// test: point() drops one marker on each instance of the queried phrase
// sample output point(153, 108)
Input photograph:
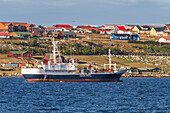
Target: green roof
point(18, 52)
point(23, 33)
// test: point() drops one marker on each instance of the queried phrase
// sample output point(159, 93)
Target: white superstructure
point(51, 68)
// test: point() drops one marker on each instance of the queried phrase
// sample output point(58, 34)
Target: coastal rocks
point(150, 60)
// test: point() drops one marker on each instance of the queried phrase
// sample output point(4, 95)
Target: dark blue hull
point(102, 77)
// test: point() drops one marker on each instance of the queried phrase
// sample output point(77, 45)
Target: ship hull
point(100, 77)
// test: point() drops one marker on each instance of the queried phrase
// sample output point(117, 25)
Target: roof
point(62, 25)
point(169, 27)
point(14, 23)
point(167, 38)
point(146, 27)
point(138, 27)
point(122, 28)
point(18, 52)
point(22, 33)
point(68, 33)
point(159, 28)
point(4, 34)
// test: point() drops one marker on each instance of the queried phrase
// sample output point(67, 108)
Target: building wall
point(4, 36)
point(3, 28)
point(136, 29)
point(10, 54)
point(153, 31)
point(27, 54)
point(164, 40)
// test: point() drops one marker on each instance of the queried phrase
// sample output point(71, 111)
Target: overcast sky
point(76, 12)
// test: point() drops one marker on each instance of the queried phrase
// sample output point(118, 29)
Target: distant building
point(19, 54)
point(4, 35)
point(66, 26)
point(158, 30)
point(66, 34)
point(16, 27)
point(145, 29)
point(120, 29)
point(137, 28)
point(124, 37)
point(48, 57)
point(164, 40)
point(20, 34)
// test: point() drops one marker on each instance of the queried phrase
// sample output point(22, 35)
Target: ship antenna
point(110, 60)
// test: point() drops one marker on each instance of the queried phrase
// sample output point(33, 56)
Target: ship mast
point(54, 51)
point(110, 60)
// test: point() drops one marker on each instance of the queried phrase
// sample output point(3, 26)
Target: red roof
point(4, 34)
point(122, 28)
point(167, 38)
point(169, 27)
point(62, 25)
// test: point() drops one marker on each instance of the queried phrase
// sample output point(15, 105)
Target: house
point(20, 34)
point(137, 28)
point(107, 27)
point(4, 35)
point(66, 34)
point(124, 37)
point(164, 40)
point(167, 25)
point(16, 27)
point(169, 28)
point(158, 30)
point(145, 29)
point(19, 54)
point(66, 26)
point(83, 27)
point(120, 29)
point(128, 28)
point(49, 57)
point(104, 31)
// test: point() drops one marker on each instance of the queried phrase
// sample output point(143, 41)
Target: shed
point(124, 37)
point(19, 54)
point(23, 34)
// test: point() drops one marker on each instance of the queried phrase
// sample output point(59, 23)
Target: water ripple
point(133, 95)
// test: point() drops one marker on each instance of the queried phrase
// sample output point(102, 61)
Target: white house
point(4, 35)
point(164, 40)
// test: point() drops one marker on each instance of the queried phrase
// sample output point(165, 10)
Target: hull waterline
point(102, 77)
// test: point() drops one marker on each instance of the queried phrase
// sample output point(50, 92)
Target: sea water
point(144, 95)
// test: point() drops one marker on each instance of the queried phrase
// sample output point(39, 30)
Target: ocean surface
point(133, 95)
